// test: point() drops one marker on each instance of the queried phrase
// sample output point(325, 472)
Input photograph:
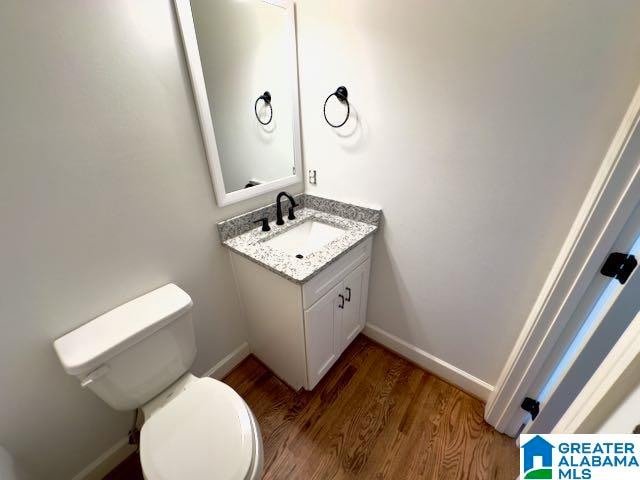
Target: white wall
point(481, 126)
point(625, 416)
point(9, 470)
point(104, 195)
point(244, 47)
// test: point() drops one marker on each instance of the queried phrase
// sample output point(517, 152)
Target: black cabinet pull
point(342, 299)
point(349, 292)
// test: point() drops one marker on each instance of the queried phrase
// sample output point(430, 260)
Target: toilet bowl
point(206, 430)
point(138, 355)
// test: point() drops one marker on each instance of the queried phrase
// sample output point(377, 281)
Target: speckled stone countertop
point(358, 224)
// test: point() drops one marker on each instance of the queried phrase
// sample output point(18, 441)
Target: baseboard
point(106, 462)
point(228, 363)
point(461, 379)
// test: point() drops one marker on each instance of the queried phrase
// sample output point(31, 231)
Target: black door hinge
point(532, 406)
point(619, 266)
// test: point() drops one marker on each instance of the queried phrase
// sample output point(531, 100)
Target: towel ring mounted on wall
point(266, 98)
point(341, 94)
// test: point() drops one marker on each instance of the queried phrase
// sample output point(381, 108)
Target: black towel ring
point(341, 94)
point(266, 98)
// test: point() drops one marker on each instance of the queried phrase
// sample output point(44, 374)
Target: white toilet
point(139, 355)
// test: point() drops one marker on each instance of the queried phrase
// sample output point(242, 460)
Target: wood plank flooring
point(373, 416)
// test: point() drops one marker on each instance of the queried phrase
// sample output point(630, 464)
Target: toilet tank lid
point(89, 346)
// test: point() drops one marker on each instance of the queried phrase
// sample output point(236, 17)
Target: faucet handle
point(265, 224)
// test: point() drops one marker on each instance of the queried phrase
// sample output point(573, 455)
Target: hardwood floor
point(373, 416)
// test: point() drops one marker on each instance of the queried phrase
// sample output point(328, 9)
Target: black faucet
point(292, 203)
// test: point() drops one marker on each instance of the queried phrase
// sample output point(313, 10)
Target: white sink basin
point(305, 238)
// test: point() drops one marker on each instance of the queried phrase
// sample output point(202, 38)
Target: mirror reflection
point(244, 51)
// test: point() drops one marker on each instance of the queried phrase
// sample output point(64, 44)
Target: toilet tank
point(132, 353)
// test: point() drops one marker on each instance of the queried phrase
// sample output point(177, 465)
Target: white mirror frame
point(189, 40)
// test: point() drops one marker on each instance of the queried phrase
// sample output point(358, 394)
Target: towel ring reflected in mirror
point(266, 98)
point(341, 94)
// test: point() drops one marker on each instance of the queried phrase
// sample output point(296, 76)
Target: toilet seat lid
point(203, 433)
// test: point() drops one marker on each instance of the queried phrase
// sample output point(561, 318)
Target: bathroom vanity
point(303, 284)
point(303, 281)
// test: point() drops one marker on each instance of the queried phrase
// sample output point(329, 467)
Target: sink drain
point(299, 255)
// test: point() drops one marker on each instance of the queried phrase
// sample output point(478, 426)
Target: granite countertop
point(358, 224)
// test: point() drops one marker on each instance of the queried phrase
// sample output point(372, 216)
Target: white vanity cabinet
point(299, 331)
point(333, 322)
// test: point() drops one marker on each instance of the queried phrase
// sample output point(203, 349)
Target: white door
point(321, 329)
point(604, 313)
point(352, 318)
point(608, 404)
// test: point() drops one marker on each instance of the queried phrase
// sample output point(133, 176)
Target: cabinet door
point(321, 330)
point(355, 292)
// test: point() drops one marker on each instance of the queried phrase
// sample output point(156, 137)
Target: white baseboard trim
point(106, 462)
point(461, 379)
point(110, 459)
point(228, 363)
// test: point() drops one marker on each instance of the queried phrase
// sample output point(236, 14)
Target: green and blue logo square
point(537, 458)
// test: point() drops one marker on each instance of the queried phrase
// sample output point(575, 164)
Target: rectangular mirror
point(243, 66)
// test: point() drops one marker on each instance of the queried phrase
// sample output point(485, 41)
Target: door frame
point(608, 205)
